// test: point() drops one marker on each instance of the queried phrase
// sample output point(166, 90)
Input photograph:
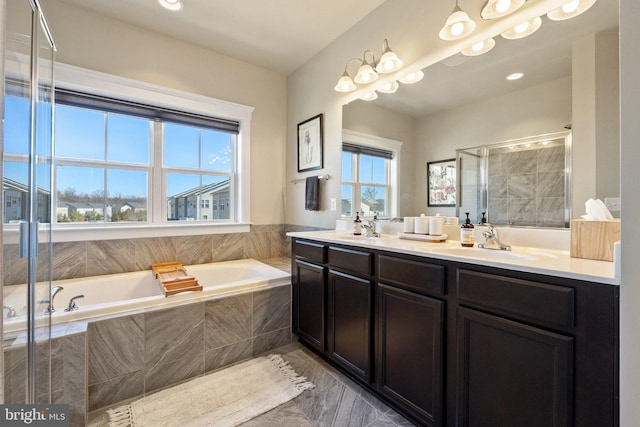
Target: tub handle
point(72, 303)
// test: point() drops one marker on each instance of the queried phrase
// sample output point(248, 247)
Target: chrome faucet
point(492, 240)
point(370, 229)
point(72, 303)
point(11, 312)
point(54, 292)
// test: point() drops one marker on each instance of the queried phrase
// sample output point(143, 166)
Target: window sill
point(81, 232)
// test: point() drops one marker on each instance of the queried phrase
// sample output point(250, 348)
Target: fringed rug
point(225, 398)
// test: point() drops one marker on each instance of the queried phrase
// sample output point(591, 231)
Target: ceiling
point(279, 35)
point(542, 57)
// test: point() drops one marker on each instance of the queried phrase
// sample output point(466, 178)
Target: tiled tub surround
point(128, 356)
point(97, 257)
point(127, 292)
point(68, 374)
point(133, 355)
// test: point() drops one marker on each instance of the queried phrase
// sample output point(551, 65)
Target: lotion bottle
point(357, 225)
point(466, 233)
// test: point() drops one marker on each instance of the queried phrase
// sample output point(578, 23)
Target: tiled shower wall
point(98, 257)
point(526, 187)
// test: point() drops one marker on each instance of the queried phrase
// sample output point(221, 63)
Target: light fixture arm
point(349, 62)
point(373, 58)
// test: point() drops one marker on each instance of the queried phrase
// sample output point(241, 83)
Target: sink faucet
point(492, 240)
point(370, 229)
point(54, 292)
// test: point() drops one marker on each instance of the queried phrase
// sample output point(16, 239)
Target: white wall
point(537, 110)
point(630, 177)
point(95, 42)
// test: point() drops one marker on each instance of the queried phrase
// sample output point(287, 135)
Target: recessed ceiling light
point(515, 76)
point(173, 5)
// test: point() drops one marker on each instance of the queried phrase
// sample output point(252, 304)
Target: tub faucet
point(72, 303)
point(492, 240)
point(54, 292)
point(11, 312)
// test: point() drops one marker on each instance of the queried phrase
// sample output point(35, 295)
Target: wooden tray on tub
point(173, 278)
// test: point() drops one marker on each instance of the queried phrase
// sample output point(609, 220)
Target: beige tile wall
point(98, 257)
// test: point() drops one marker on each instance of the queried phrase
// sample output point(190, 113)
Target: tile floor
point(336, 400)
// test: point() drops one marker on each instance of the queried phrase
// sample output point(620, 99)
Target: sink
point(489, 254)
point(362, 238)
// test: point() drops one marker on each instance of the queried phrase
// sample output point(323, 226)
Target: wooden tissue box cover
point(594, 239)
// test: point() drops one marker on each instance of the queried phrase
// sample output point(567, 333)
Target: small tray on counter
point(423, 237)
point(173, 278)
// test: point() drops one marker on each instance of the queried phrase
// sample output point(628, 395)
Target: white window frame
point(395, 147)
point(83, 80)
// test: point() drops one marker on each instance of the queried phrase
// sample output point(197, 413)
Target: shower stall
point(26, 138)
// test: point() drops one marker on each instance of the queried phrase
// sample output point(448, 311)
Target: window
point(103, 160)
point(369, 175)
point(102, 166)
point(141, 155)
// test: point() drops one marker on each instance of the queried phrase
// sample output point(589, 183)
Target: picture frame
point(310, 150)
point(441, 183)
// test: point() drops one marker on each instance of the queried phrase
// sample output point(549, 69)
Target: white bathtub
point(127, 292)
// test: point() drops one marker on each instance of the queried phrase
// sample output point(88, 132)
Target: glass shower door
point(27, 152)
point(471, 184)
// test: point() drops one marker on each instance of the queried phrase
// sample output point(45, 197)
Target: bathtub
point(116, 294)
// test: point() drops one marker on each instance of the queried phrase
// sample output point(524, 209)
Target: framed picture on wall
point(310, 144)
point(441, 183)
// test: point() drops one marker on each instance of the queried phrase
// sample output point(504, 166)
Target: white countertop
point(532, 260)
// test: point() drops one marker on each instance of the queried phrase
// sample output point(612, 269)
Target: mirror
point(517, 183)
point(570, 79)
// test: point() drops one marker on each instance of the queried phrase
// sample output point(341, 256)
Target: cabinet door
point(409, 352)
point(350, 318)
point(309, 303)
point(511, 374)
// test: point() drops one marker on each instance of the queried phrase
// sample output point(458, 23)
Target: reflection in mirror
point(522, 182)
point(570, 76)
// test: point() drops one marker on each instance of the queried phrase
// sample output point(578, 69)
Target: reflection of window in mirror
point(369, 176)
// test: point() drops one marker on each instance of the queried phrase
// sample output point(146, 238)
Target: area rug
point(224, 398)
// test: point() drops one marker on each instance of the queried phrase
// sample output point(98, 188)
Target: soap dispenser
point(483, 220)
point(357, 225)
point(466, 233)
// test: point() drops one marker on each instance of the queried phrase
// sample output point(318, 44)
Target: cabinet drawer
point(310, 251)
point(538, 303)
point(410, 275)
point(348, 259)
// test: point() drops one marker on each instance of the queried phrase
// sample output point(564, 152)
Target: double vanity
point(455, 336)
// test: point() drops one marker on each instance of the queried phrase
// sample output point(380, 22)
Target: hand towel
point(311, 194)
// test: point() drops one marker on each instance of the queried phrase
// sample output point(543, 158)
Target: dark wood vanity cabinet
point(512, 374)
point(309, 293)
point(309, 302)
point(409, 352)
point(456, 344)
point(350, 323)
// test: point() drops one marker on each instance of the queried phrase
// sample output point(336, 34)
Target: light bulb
point(571, 6)
point(388, 65)
point(521, 28)
point(503, 5)
point(478, 46)
point(457, 28)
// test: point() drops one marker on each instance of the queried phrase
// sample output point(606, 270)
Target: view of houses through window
point(110, 166)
